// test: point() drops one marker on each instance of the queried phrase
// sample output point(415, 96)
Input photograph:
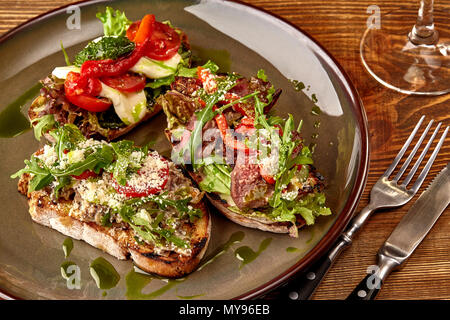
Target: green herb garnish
point(105, 48)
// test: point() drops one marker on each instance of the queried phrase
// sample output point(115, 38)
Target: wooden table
point(338, 26)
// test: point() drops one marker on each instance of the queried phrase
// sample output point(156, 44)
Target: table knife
point(408, 234)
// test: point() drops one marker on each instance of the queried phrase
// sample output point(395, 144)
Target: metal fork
point(384, 194)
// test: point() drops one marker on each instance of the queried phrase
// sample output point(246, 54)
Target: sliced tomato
point(229, 140)
point(89, 103)
point(244, 129)
point(85, 175)
point(137, 191)
point(127, 82)
point(164, 42)
point(82, 97)
point(269, 179)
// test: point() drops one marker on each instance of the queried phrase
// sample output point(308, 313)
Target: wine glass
point(410, 60)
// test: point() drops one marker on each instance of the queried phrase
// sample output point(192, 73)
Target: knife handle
point(367, 289)
point(303, 286)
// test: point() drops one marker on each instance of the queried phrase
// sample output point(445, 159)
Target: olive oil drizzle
point(12, 120)
point(247, 255)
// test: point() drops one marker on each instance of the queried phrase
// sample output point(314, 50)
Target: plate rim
point(353, 200)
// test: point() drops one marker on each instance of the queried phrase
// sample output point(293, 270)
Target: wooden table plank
point(338, 26)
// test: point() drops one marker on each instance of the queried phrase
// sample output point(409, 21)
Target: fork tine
point(403, 149)
point(422, 155)
point(413, 152)
point(430, 161)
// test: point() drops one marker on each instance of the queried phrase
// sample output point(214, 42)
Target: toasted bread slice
point(118, 240)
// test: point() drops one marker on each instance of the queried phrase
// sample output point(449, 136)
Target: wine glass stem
point(423, 31)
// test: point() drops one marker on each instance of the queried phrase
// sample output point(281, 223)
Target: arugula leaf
point(40, 181)
point(105, 48)
point(66, 57)
point(147, 229)
point(62, 182)
point(42, 175)
point(115, 23)
point(100, 158)
point(206, 114)
point(44, 124)
point(67, 138)
point(124, 162)
point(284, 210)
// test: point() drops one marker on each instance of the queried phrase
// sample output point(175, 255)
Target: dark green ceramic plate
point(239, 38)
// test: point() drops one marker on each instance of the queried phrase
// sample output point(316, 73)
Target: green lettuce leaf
point(217, 178)
point(115, 23)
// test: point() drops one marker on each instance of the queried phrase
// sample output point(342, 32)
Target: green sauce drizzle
point(298, 85)
point(104, 274)
point(234, 238)
point(247, 255)
point(315, 110)
point(64, 269)
point(136, 282)
point(67, 247)
point(291, 249)
point(12, 120)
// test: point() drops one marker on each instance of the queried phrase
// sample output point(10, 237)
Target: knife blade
point(420, 218)
point(407, 235)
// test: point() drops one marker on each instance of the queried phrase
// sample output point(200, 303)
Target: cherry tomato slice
point(89, 103)
point(85, 175)
point(126, 82)
point(269, 179)
point(132, 191)
point(164, 42)
point(81, 97)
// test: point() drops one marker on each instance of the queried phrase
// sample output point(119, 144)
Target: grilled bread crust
point(117, 240)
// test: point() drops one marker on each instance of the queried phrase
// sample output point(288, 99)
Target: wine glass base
point(394, 61)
